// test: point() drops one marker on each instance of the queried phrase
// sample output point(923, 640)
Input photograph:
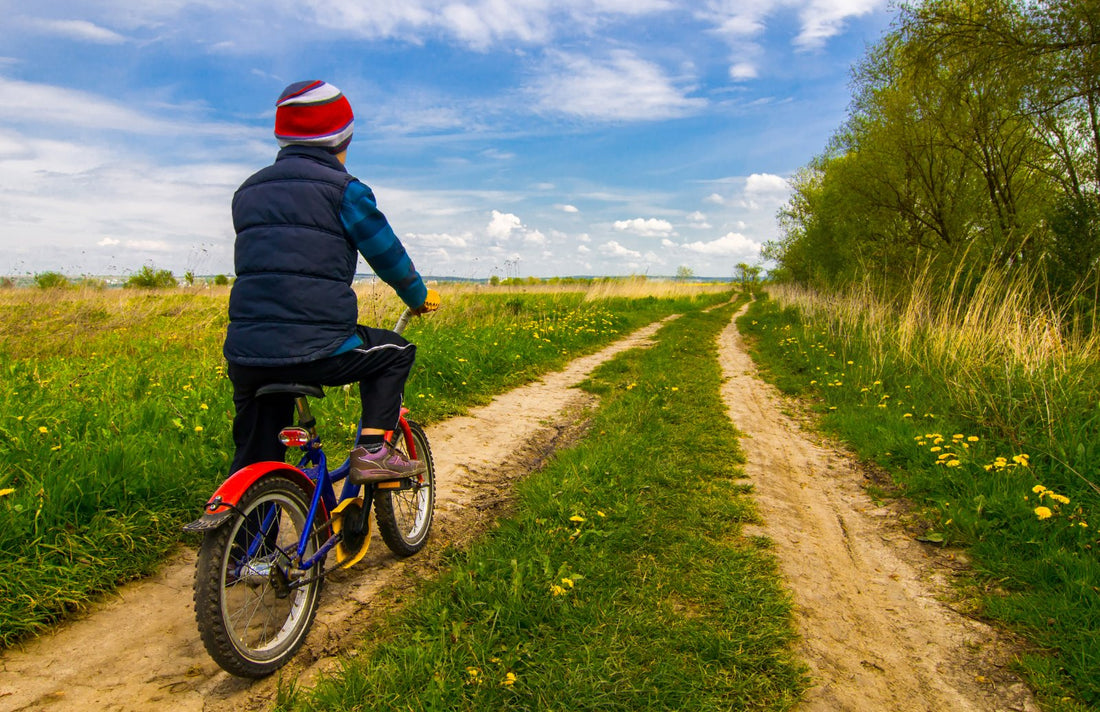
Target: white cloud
point(114, 217)
point(476, 23)
point(614, 249)
point(698, 220)
point(75, 29)
point(24, 103)
point(715, 198)
point(568, 208)
point(437, 239)
point(622, 87)
point(765, 184)
point(741, 23)
point(732, 244)
point(646, 227)
point(583, 249)
point(823, 19)
point(742, 71)
point(502, 225)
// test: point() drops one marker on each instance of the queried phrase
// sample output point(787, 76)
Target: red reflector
point(294, 437)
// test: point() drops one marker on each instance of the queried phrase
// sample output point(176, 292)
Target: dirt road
point(868, 598)
point(874, 632)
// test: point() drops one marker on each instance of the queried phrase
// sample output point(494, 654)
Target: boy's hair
point(314, 113)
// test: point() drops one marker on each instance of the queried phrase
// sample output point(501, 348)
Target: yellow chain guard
point(344, 558)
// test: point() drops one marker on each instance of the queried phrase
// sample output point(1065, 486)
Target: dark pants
point(381, 366)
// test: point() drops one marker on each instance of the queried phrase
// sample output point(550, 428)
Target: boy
point(301, 224)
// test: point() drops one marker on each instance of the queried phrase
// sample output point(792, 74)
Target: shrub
point(51, 280)
point(148, 278)
point(221, 280)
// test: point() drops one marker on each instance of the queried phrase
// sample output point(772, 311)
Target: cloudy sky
point(508, 137)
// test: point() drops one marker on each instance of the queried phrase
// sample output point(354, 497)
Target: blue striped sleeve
point(376, 241)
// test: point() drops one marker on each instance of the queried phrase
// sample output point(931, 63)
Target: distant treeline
point(973, 140)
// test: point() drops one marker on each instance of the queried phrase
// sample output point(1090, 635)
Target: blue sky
point(508, 137)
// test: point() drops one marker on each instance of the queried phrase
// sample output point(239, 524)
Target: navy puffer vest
point(292, 300)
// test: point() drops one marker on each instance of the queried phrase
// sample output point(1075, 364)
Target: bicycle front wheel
point(253, 605)
point(405, 516)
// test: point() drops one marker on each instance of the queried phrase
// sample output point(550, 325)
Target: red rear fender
point(233, 488)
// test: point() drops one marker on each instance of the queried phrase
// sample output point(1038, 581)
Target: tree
point(684, 273)
point(747, 276)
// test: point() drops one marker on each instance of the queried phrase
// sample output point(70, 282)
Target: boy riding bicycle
point(301, 224)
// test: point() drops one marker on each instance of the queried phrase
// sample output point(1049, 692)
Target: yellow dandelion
point(1037, 489)
point(1043, 512)
point(675, 388)
point(1061, 498)
point(509, 679)
point(43, 429)
point(600, 514)
point(953, 463)
point(577, 518)
point(907, 415)
point(203, 406)
point(557, 590)
point(973, 439)
point(6, 492)
point(567, 582)
point(55, 448)
point(935, 448)
point(1021, 460)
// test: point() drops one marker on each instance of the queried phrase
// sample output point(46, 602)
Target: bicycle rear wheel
point(405, 516)
point(251, 615)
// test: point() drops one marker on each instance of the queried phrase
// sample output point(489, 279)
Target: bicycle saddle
point(295, 389)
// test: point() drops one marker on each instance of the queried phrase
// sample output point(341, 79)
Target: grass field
point(115, 412)
point(985, 410)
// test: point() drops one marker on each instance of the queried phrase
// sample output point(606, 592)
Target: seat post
point(305, 417)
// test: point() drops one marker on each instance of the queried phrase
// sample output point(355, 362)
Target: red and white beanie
point(314, 113)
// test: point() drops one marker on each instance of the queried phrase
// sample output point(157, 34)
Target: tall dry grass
point(1000, 352)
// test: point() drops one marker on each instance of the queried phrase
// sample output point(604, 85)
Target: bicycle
point(268, 531)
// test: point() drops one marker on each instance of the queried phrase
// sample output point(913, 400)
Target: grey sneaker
point(386, 464)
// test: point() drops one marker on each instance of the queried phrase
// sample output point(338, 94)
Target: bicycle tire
point(405, 516)
point(246, 627)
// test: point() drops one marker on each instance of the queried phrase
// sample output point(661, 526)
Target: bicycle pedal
point(352, 546)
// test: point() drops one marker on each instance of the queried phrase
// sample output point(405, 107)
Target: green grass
point(977, 480)
point(621, 582)
point(113, 433)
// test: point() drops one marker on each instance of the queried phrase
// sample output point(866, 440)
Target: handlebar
point(431, 303)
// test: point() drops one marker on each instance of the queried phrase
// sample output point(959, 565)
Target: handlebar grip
point(403, 320)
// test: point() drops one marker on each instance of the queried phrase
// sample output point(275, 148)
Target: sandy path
point(867, 598)
point(141, 651)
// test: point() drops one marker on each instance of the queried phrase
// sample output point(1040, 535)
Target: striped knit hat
point(314, 113)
